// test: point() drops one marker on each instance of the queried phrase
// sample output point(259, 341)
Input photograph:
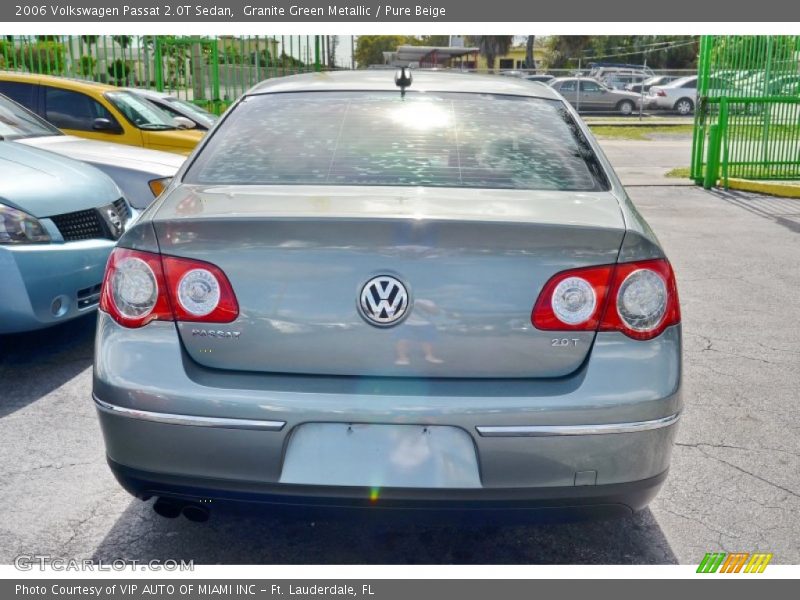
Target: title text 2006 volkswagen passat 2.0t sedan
point(393, 291)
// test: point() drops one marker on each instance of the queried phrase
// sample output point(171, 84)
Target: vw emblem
point(383, 301)
point(115, 221)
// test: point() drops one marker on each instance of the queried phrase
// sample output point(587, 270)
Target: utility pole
point(641, 88)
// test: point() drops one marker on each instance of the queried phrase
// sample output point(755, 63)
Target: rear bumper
point(515, 504)
point(658, 103)
point(173, 428)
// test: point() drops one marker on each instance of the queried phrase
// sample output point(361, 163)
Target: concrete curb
point(637, 123)
point(773, 188)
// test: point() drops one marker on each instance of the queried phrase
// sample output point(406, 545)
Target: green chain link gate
point(747, 122)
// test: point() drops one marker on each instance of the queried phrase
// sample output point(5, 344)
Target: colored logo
point(737, 562)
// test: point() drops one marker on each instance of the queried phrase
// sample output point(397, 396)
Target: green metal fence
point(747, 119)
point(211, 71)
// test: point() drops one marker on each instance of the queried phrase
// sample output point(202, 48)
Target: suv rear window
point(383, 139)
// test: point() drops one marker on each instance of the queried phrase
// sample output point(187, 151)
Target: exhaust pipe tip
point(196, 513)
point(169, 509)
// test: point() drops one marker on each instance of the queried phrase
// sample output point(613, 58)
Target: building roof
point(423, 81)
point(410, 55)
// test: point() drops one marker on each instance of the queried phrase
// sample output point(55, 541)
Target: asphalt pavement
point(735, 478)
point(646, 162)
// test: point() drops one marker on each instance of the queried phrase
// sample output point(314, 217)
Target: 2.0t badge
point(383, 301)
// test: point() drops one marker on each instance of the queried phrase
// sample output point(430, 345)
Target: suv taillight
point(139, 287)
point(640, 299)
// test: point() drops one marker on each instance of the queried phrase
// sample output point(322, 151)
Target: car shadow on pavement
point(34, 364)
point(248, 534)
point(783, 211)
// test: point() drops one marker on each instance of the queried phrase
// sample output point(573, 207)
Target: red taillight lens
point(134, 289)
point(565, 305)
point(643, 300)
point(640, 299)
point(661, 93)
point(139, 287)
point(199, 291)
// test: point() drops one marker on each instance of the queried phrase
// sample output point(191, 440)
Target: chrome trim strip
point(556, 430)
point(195, 421)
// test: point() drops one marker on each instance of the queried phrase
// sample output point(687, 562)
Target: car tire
point(684, 106)
point(626, 107)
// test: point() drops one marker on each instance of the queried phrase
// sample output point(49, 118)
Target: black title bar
point(428, 11)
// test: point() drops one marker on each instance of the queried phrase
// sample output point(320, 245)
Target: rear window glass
point(383, 139)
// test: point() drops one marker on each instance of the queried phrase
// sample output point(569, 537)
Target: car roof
point(680, 81)
point(62, 82)
point(576, 78)
point(422, 81)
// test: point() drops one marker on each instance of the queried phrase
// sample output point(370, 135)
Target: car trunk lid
point(473, 262)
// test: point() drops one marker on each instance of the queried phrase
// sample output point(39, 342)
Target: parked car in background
point(650, 82)
point(759, 84)
point(619, 81)
point(443, 299)
point(590, 95)
point(600, 72)
point(542, 78)
point(59, 220)
point(680, 95)
point(512, 73)
point(98, 111)
point(790, 89)
point(734, 76)
point(140, 173)
point(176, 107)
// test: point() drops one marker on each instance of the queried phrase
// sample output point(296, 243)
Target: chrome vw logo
point(383, 301)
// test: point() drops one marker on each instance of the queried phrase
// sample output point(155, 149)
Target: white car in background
point(681, 95)
point(182, 110)
point(140, 173)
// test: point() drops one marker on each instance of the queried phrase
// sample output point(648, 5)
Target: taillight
point(643, 300)
point(134, 289)
point(573, 300)
point(139, 287)
point(199, 291)
point(640, 299)
point(661, 93)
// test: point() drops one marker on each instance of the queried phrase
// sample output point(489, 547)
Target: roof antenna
point(402, 79)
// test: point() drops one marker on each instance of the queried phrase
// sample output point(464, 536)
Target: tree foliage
point(119, 70)
point(429, 40)
point(87, 65)
point(660, 51)
point(42, 57)
point(491, 46)
point(370, 48)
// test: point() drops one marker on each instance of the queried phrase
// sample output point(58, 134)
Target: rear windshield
point(385, 139)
